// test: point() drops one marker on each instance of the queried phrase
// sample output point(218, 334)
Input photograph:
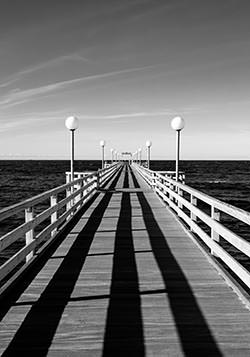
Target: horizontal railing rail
point(81, 174)
point(52, 209)
point(183, 199)
point(150, 175)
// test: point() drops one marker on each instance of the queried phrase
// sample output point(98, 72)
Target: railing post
point(97, 180)
point(171, 187)
point(153, 180)
point(193, 201)
point(70, 203)
point(53, 202)
point(68, 194)
point(67, 177)
point(92, 187)
point(180, 193)
point(183, 179)
point(78, 187)
point(215, 214)
point(84, 191)
point(29, 236)
point(162, 183)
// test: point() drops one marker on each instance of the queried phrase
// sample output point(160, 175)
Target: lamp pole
point(148, 145)
point(139, 151)
point(102, 144)
point(72, 124)
point(177, 124)
point(112, 158)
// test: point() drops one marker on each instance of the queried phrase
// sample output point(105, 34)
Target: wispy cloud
point(17, 96)
point(221, 106)
point(8, 82)
point(34, 118)
point(31, 118)
point(10, 125)
point(129, 115)
point(40, 66)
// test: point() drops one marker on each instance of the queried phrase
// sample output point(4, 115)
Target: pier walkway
point(126, 280)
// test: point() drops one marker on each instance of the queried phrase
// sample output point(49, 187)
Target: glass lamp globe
point(102, 143)
point(177, 123)
point(72, 123)
point(148, 143)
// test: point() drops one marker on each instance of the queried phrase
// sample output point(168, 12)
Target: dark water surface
point(22, 179)
point(226, 180)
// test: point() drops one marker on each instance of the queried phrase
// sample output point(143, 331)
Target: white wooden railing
point(149, 175)
point(172, 192)
point(59, 206)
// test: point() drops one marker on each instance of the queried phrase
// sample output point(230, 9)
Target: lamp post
point(102, 144)
point(177, 124)
point(112, 158)
point(139, 151)
point(72, 124)
point(148, 145)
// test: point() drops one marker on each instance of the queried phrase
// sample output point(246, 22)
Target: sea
point(228, 181)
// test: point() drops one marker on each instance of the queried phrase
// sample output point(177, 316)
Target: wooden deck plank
point(126, 280)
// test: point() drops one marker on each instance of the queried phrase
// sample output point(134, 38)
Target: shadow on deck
point(124, 331)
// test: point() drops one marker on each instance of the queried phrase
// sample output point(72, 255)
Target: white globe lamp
point(177, 123)
point(72, 123)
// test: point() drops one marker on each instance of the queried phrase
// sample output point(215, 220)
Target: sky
point(125, 69)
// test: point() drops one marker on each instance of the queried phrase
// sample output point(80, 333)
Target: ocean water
point(22, 179)
point(228, 181)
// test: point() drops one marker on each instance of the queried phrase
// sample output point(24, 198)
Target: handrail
point(30, 202)
point(65, 200)
point(231, 210)
point(178, 196)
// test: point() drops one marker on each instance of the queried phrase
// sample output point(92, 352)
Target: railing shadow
point(124, 326)
point(193, 330)
point(36, 332)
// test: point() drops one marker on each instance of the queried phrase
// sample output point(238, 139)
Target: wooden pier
point(123, 278)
